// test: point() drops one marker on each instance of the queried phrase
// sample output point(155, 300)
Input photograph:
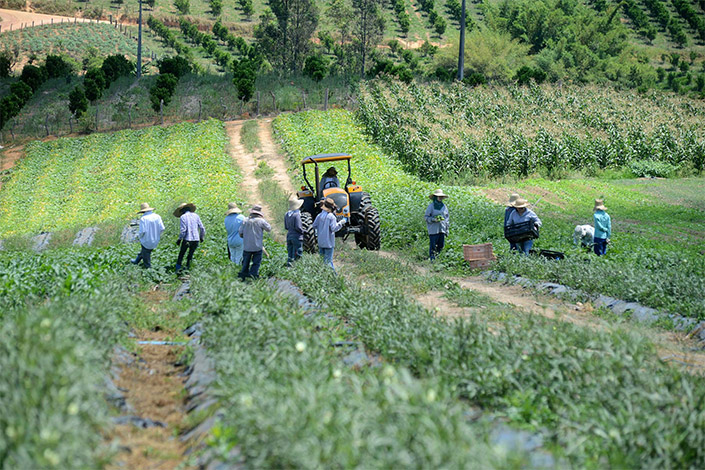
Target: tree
point(56, 66)
point(78, 103)
point(316, 67)
point(247, 8)
point(115, 66)
point(367, 30)
point(183, 6)
point(341, 13)
point(216, 7)
point(440, 26)
point(176, 66)
point(22, 91)
point(33, 76)
point(244, 76)
point(163, 90)
point(6, 63)
point(287, 40)
point(326, 39)
point(94, 83)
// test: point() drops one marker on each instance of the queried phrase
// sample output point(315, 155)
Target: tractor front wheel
point(310, 241)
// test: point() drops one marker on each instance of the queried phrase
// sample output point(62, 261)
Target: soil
point(501, 195)
point(271, 156)
point(14, 19)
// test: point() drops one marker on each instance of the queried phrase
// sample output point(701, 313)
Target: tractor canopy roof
point(326, 157)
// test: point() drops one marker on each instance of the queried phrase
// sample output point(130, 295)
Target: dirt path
point(270, 155)
point(11, 20)
point(247, 162)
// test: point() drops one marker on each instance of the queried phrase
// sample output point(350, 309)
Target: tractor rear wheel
point(310, 241)
point(372, 239)
point(365, 203)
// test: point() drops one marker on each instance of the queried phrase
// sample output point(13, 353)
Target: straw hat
point(599, 205)
point(182, 207)
point(512, 198)
point(438, 193)
point(144, 207)
point(256, 210)
point(233, 209)
point(331, 171)
point(327, 204)
point(520, 202)
point(295, 203)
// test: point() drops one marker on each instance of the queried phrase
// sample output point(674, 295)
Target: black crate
point(554, 255)
point(521, 232)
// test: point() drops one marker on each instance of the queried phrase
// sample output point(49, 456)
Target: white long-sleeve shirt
point(151, 228)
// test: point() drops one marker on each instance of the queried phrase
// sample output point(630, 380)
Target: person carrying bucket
point(437, 223)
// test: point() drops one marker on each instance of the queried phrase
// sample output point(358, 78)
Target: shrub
point(78, 103)
point(56, 66)
point(526, 74)
point(316, 67)
point(475, 79)
point(115, 66)
point(176, 66)
point(244, 76)
point(22, 91)
point(6, 62)
point(94, 83)
point(183, 6)
point(652, 169)
point(163, 90)
point(216, 7)
point(33, 76)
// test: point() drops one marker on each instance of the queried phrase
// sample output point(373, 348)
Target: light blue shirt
point(433, 227)
point(603, 224)
point(151, 228)
point(326, 224)
point(232, 225)
point(516, 218)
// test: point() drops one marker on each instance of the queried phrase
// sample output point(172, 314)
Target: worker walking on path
point(437, 223)
point(326, 225)
point(294, 230)
point(233, 221)
point(603, 227)
point(523, 214)
point(252, 233)
point(151, 228)
point(507, 212)
point(191, 233)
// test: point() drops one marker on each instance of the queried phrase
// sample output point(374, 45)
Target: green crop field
point(75, 183)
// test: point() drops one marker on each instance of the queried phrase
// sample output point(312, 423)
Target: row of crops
point(646, 267)
point(438, 131)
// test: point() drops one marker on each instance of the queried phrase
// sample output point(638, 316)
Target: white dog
point(583, 234)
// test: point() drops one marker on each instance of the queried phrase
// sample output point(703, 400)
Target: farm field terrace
point(665, 274)
point(72, 183)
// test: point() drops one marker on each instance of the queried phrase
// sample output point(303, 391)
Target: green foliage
point(526, 74)
point(116, 66)
point(316, 67)
point(56, 66)
point(177, 66)
point(78, 103)
point(162, 91)
point(244, 77)
point(6, 62)
point(652, 169)
point(22, 91)
point(94, 83)
point(216, 7)
point(33, 76)
point(183, 6)
point(247, 7)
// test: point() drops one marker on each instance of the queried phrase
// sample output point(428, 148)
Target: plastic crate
point(521, 232)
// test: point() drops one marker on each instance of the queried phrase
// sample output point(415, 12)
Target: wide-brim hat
point(438, 193)
point(332, 170)
point(599, 205)
point(520, 203)
point(179, 211)
point(327, 203)
point(144, 207)
point(295, 203)
point(512, 198)
point(233, 209)
point(256, 210)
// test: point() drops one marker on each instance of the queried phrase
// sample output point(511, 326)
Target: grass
point(249, 136)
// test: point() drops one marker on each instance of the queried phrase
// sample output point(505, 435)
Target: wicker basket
point(479, 256)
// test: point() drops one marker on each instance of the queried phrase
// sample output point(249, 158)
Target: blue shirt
point(232, 225)
point(516, 218)
point(507, 213)
point(326, 224)
point(603, 224)
point(292, 224)
point(151, 228)
point(192, 229)
point(434, 227)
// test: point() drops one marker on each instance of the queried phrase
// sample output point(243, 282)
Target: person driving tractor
point(330, 179)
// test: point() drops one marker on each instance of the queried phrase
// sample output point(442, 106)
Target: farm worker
point(507, 212)
point(523, 214)
point(191, 232)
point(326, 224)
point(151, 228)
point(437, 223)
point(603, 227)
point(233, 220)
point(330, 179)
point(252, 233)
point(294, 230)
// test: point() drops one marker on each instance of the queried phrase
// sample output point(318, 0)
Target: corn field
point(439, 130)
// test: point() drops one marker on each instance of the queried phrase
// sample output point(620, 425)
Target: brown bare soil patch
point(270, 155)
point(15, 19)
point(533, 193)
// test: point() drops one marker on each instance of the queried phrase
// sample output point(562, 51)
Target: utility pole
point(139, 43)
point(461, 51)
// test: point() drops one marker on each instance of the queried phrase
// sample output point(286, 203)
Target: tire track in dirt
point(271, 155)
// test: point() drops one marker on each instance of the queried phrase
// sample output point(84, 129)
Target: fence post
point(303, 95)
point(52, 21)
point(258, 96)
point(129, 117)
point(12, 130)
point(46, 124)
point(96, 118)
point(70, 124)
point(32, 23)
point(161, 111)
point(325, 101)
point(274, 101)
point(200, 105)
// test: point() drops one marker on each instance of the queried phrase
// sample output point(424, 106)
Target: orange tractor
point(350, 200)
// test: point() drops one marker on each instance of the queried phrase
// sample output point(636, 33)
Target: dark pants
point(146, 257)
point(294, 249)
point(191, 247)
point(600, 246)
point(436, 244)
point(251, 261)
